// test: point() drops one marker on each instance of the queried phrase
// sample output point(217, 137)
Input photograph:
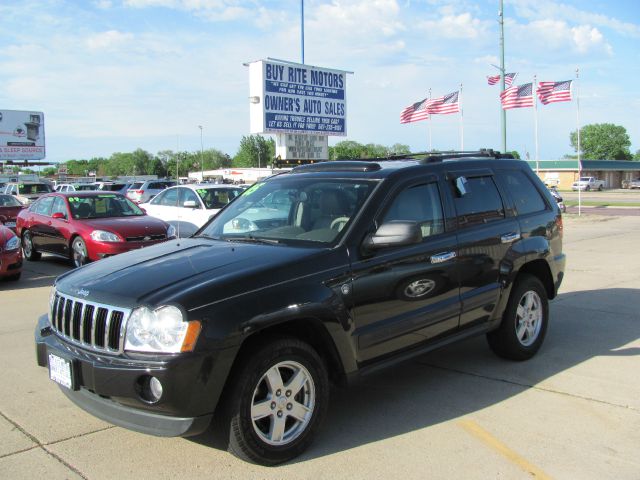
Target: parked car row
point(87, 226)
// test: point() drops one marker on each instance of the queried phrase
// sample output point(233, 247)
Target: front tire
point(277, 402)
point(524, 322)
point(79, 255)
point(28, 249)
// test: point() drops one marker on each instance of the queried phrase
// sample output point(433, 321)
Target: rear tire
point(524, 322)
point(28, 249)
point(277, 402)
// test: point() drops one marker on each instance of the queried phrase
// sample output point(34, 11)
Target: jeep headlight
point(161, 330)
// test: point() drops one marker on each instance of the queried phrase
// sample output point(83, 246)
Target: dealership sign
point(21, 135)
point(296, 98)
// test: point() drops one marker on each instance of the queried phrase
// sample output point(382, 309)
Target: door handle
point(443, 257)
point(510, 237)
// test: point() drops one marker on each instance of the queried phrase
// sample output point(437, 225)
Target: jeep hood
point(197, 268)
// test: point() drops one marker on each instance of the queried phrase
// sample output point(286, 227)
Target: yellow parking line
point(476, 430)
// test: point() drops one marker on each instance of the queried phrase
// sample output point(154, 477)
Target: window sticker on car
point(202, 191)
point(100, 206)
point(106, 196)
point(252, 189)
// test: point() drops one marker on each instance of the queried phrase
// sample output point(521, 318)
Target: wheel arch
point(540, 269)
point(307, 329)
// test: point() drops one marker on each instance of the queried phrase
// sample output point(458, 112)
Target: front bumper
point(108, 386)
point(10, 263)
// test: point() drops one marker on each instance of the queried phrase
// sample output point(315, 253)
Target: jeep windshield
point(291, 210)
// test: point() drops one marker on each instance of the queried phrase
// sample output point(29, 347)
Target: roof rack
point(431, 157)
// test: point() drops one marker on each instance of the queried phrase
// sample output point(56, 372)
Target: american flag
point(447, 104)
point(415, 112)
point(508, 79)
point(517, 96)
point(549, 92)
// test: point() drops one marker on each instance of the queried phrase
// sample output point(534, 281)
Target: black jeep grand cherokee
point(324, 273)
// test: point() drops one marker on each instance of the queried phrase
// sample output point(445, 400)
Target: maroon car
point(10, 254)
point(87, 226)
point(10, 206)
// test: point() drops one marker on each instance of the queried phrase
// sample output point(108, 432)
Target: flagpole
point(578, 125)
point(429, 120)
point(535, 120)
point(461, 120)
point(502, 72)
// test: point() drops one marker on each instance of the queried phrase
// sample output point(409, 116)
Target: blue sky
point(115, 75)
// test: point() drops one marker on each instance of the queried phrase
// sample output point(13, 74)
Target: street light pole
point(201, 156)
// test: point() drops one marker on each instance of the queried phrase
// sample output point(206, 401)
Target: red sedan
point(10, 206)
point(10, 254)
point(87, 226)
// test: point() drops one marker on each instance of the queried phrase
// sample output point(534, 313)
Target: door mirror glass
point(58, 215)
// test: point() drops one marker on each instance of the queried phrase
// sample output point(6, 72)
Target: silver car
point(142, 192)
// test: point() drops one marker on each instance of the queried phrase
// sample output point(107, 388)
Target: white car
point(188, 207)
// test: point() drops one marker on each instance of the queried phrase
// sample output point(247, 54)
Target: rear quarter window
point(525, 195)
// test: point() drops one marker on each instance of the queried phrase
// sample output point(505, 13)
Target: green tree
point(515, 154)
point(254, 151)
point(399, 149)
point(346, 149)
point(637, 155)
point(602, 141)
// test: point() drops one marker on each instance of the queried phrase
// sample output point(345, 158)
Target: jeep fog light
point(149, 389)
point(155, 388)
point(162, 330)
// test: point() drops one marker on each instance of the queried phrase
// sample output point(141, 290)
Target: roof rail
point(431, 157)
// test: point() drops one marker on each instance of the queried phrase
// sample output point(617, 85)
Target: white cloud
point(587, 38)
point(551, 9)
point(107, 40)
point(452, 26)
point(556, 36)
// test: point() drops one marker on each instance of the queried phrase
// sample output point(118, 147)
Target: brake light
point(559, 224)
point(139, 192)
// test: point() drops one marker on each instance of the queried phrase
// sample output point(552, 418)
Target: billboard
point(302, 147)
point(21, 135)
point(295, 98)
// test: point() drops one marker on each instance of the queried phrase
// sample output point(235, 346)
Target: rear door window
point(43, 207)
point(480, 203)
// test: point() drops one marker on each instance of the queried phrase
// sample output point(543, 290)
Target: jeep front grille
point(91, 325)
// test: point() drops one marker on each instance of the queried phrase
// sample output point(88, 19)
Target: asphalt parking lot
point(572, 412)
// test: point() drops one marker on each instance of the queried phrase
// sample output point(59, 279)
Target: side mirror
point(59, 215)
point(394, 234)
point(190, 204)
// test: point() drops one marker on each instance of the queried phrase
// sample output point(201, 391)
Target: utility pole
point(201, 156)
point(302, 29)
point(502, 74)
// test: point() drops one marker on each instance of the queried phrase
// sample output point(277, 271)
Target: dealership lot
point(571, 412)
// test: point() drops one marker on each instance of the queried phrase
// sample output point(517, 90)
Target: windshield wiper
point(252, 239)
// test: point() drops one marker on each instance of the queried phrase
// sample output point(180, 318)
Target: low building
point(562, 173)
